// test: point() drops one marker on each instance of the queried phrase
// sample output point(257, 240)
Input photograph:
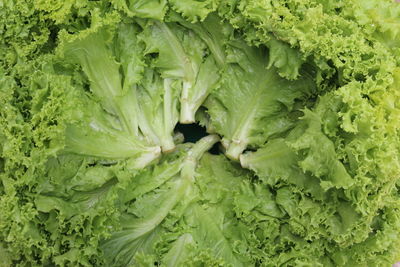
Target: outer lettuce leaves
point(323, 185)
point(29, 135)
point(25, 34)
point(69, 210)
point(75, 201)
point(380, 22)
point(252, 102)
point(307, 162)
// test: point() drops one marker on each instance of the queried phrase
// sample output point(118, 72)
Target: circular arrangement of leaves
point(199, 133)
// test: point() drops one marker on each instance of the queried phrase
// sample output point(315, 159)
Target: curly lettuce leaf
point(379, 20)
point(328, 182)
point(181, 55)
point(324, 188)
point(193, 10)
point(154, 9)
point(252, 102)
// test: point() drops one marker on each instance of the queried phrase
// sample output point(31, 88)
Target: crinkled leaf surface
point(304, 93)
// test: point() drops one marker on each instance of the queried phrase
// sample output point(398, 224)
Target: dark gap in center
point(193, 133)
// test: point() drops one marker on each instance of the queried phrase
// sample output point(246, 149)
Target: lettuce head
point(297, 163)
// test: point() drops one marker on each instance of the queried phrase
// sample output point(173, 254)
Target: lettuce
point(181, 57)
point(299, 160)
point(251, 102)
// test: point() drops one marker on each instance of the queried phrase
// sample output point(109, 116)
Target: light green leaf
point(181, 56)
point(251, 98)
point(154, 9)
point(194, 10)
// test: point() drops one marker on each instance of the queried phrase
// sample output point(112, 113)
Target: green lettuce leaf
point(252, 102)
point(193, 10)
point(165, 190)
point(180, 56)
point(154, 9)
